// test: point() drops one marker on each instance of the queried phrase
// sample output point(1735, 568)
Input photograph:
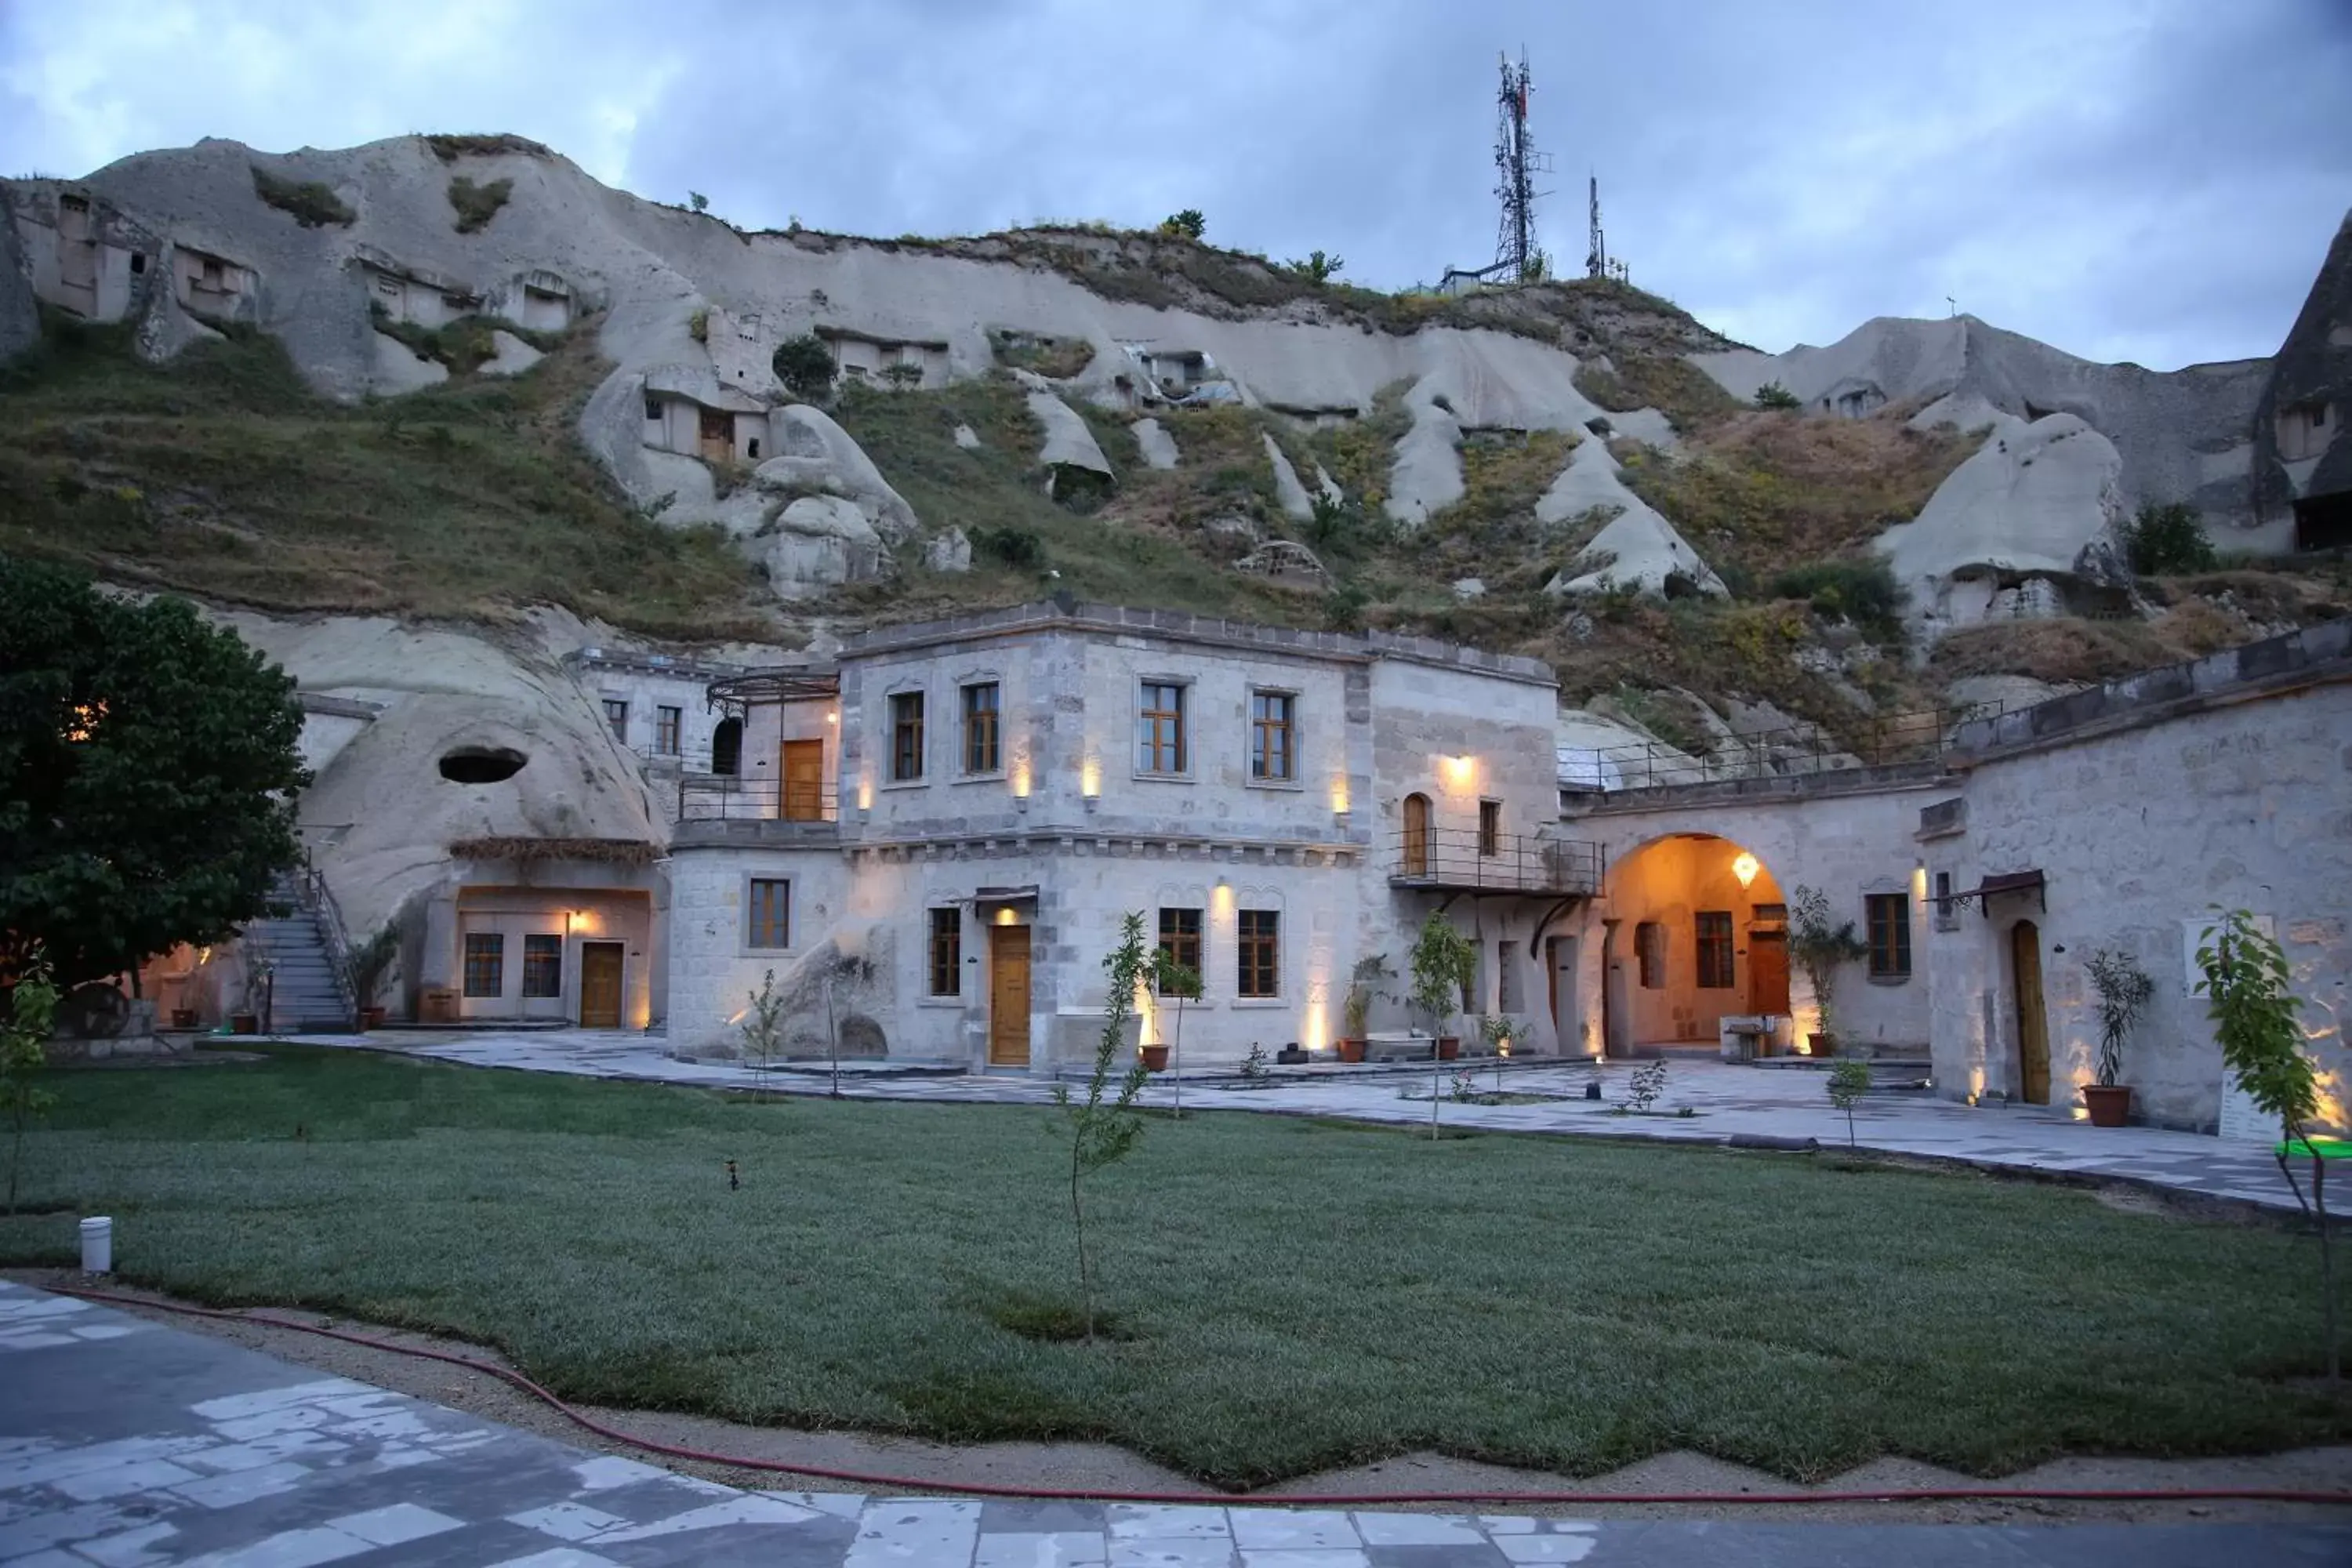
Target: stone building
point(1983, 868)
point(934, 835)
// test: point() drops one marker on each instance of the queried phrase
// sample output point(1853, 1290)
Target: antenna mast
point(1517, 162)
point(1596, 253)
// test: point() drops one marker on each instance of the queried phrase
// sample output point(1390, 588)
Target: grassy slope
point(1306, 1294)
point(222, 476)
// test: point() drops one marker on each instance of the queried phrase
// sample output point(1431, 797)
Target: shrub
point(477, 205)
point(449, 149)
point(697, 325)
point(1772, 395)
point(1863, 592)
point(1318, 268)
point(312, 203)
point(1188, 222)
point(805, 365)
point(2167, 539)
point(1019, 549)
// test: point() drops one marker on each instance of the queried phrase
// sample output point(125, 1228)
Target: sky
point(2147, 180)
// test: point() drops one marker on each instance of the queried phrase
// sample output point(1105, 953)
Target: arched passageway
point(1699, 932)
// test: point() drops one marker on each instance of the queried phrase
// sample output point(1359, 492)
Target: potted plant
point(247, 1020)
point(369, 963)
point(1819, 948)
point(1357, 1009)
point(1442, 963)
point(184, 1018)
point(1178, 982)
point(2124, 989)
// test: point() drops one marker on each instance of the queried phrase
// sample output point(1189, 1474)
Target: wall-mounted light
point(1745, 866)
point(833, 718)
point(1462, 771)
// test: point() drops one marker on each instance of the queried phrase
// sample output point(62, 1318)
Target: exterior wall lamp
point(1745, 866)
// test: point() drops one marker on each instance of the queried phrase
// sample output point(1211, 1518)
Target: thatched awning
point(620, 851)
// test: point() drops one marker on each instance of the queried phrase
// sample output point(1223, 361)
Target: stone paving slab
point(1726, 1098)
point(127, 1444)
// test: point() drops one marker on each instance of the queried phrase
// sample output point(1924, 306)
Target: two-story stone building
point(933, 836)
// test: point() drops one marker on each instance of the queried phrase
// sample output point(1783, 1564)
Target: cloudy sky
point(2151, 180)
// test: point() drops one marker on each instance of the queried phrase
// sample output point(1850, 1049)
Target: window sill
point(1140, 777)
point(904, 783)
point(943, 1003)
point(768, 953)
point(1257, 1004)
point(1886, 979)
point(1294, 785)
point(996, 777)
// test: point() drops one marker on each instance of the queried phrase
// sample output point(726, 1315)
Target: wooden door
point(1008, 996)
point(1416, 836)
point(1559, 964)
point(599, 985)
point(717, 436)
point(2033, 1024)
point(1768, 972)
point(804, 781)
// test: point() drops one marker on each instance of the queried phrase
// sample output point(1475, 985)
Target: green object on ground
point(1305, 1293)
point(2325, 1148)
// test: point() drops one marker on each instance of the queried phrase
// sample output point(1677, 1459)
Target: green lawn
point(1306, 1294)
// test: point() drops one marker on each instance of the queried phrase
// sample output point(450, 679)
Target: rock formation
point(2303, 459)
point(1635, 547)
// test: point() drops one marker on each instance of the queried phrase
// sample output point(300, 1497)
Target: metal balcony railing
point(1447, 859)
point(707, 798)
point(1880, 740)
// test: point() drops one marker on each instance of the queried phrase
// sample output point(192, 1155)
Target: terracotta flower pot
point(245, 1022)
point(1449, 1046)
point(1155, 1059)
point(184, 1018)
point(371, 1017)
point(1351, 1051)
point(2110, 1105)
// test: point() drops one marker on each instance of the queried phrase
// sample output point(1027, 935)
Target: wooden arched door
point(1416, 836)
point(2032, 1021)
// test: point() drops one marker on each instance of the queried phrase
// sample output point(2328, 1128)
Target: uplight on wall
point(1340, 796)
point(1462, 773)
point(1745, 866)
point(1090, 780)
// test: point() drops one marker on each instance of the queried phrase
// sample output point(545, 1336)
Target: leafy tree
point(1318, 268)
point(24, 1031)
point(2167, 540)
point(805, 365)
point(2253, 1008)
point(1821, 948)
point(1443, 961)
point(1188, 223)
point(1772, 395)
point(1183, 983)
point(1849, 1081)
point(698, 201)
point(1103, 1132)
point(763, 1031)
point(147, 771)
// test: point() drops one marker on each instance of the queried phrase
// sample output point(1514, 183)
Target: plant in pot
point(369, 964)
point(2124, 989)
point(258, 974)
point(1363, 990)
point(1821, 948)
point(1442, 963)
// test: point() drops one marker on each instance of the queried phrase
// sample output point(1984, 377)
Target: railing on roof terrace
point(1462, 859)
point(1913, 738)
point(720, 798)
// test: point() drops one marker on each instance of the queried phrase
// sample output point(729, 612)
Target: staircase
point(310, 992)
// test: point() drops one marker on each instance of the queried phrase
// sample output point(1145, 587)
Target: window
point(616, 714)
point(1490, 827)
point(139, 265)
point(981, 754)
point(726, 747)
point(542, 966)
point(1273, 755)
point(486, 963)
point(1261, 953)
point(907, 736)
point(212, 273)
point(1888, 916)
point(1159, 729)
point(666, 723)
point(947, 953)
point(1507, 980)
point(1180, 938)
point(751, 448)
point(1649, 955)
point(653, 408)
point(772, 914)
point(1715, 968)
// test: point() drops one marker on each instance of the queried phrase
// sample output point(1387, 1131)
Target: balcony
point(1462, 860)
point(718, 809)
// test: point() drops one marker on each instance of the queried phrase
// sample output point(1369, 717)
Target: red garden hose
point(905, 1484)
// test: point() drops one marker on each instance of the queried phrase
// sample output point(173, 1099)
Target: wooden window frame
point(907, 716)
point(1274, 736)
point(1649, 955)
point(1258, 950)
point(541, 952)
point(1160, 732)
point(669, 730)
point(1180, 939)
point(1716, 964)
point(984, 733)
point(1886, 917)
point(485, 964)
point(617, 718)
point(768, 915)
point(1490, 827)
point(947, 951)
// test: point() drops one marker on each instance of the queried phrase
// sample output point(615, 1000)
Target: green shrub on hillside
point(1863, 592)
point(478, 205)
point(2167, 540)
point(313, 204)
point(1772, 395)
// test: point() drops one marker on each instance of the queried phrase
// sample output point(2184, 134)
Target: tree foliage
point(1772, 395)
point(2168, 539)
point(1188, 223)
point(1820, 946)
point(1320, 268)
point(147, 769)
point(1849, 1081)
point(25, 1026)
point(1104, 1131)
point(805, 365)
point(2124, 990)
point(1442, 963)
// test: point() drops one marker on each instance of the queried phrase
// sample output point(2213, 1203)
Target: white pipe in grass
point(98, 1246)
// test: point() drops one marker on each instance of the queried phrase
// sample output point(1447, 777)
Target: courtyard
point(1292, 1293)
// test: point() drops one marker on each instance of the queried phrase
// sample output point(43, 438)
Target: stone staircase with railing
point(309, 990)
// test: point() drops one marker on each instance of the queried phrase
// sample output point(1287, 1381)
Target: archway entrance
point(2032, 1021)
point(1700, 934)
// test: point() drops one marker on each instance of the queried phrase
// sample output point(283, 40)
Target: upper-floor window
point(1888, 916)
point(770, 922)
point(668, 722)
point(947, 952)
point(1260, 967)
point(616, 714)
point(983, 752)
point(1490, 827)
point(907, 736)
point(1160, 745)
point(1180, 938)
point(1715, 967)
point(1273, 738)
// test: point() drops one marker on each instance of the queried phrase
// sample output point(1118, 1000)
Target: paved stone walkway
point(126, 1444)
point(1727, 1099)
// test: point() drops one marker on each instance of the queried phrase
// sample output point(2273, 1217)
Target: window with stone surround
point(1274, 754)
point(542, 965)
point(768, 907)
point(486, 963)
point(1714, 939)
point(947, 952)
point(1649, 955)
point(668, 722)
point(1161, 743)
point(1888, 918)
point(1260, 969)
point(905, 736)
point(1180, 938)
point(982, 753)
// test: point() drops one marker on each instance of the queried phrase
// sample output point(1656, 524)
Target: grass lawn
point(1304, 1294)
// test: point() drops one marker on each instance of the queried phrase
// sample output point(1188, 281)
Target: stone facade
point(1072, 822)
